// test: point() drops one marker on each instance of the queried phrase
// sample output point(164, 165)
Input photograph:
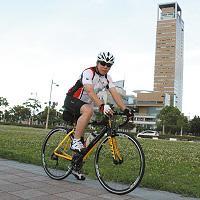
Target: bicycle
point(119, 159)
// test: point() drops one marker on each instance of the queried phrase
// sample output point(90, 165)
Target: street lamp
point(47, 120)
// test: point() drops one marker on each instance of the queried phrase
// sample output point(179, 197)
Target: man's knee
point(87, 110)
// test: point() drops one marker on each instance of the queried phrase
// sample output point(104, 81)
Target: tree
point(34, 105)
point(3, 103)
point(171, 120)
point(183, 124)
point(195, 126)
point(20, 113)
point(54, 116)
point(1, 115)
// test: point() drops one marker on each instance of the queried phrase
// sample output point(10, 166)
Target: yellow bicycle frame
point(65, 143)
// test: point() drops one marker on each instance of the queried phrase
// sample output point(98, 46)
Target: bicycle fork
point(117, 158)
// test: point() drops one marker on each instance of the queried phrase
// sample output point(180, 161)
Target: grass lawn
point(170, 166)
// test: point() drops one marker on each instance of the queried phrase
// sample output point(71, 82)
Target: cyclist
point(80, 99)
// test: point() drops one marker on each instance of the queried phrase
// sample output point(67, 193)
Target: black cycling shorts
point(72, 108)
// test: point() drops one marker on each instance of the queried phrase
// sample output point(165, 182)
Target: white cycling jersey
point(90, 76)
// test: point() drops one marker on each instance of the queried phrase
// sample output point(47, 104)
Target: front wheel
point(119, 163)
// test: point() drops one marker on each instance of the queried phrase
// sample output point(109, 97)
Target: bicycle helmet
point(106, 57)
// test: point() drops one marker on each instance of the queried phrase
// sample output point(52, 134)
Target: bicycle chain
point(77, 162)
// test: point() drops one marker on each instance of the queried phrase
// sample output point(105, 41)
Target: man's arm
point(90, 90)
point(117, 98)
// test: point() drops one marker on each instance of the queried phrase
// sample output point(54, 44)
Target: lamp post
point(49, 105)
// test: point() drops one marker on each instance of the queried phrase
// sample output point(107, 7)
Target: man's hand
point(106, 109)
point(129, 112)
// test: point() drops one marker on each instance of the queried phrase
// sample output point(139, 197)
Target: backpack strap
point(107, 86)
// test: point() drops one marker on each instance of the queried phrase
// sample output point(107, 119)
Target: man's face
point(103, 67)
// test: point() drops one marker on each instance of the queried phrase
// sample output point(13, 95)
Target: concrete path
point(24, 181)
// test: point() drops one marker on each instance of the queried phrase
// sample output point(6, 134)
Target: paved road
point(24, 181)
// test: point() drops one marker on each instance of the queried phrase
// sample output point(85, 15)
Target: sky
point(45, 40)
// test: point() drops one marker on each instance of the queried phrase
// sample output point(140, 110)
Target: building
point(168, 72)
point(149, 105)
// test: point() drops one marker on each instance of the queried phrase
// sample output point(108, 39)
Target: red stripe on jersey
point(78, 93)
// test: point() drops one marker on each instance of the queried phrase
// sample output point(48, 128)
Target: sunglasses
point(103, 63)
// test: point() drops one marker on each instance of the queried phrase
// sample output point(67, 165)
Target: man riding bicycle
point(80, 99)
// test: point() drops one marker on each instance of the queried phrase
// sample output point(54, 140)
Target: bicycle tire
point(55, 167)
point(120, 177)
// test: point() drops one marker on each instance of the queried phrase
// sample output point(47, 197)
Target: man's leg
point(86, 113)
point(82, 122)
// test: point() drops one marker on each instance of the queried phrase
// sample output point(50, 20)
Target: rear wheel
point(122, 174)
point(56, 166)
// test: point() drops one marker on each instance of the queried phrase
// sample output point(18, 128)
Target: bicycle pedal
point(78, 175)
